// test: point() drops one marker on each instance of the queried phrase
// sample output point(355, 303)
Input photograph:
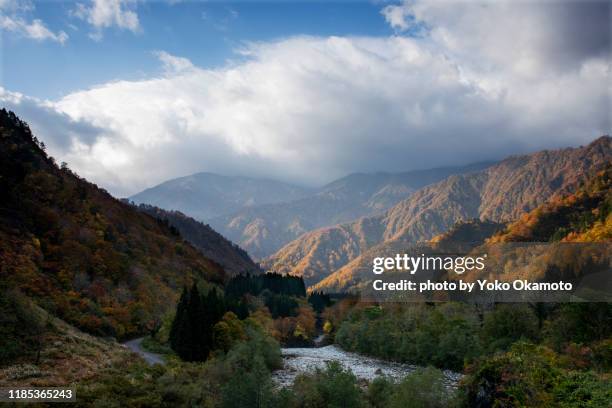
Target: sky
point(131, 93)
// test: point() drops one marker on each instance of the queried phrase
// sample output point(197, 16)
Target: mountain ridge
point(499, 193)
point(205, 195)
point(262, 230)
point(210, 243)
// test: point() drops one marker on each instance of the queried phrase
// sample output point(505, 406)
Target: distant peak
point(601, 140)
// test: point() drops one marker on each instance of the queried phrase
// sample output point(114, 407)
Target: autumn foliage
point(583, 216)
point(80, 253)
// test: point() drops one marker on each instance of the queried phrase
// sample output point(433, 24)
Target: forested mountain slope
point(262, 230)
point(582, 216)
point(209, 242)
point(81, 254)
point(500, 193)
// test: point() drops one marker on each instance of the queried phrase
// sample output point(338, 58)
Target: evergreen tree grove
point(191, 333)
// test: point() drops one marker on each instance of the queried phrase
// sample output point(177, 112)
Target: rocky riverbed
point(300, 360)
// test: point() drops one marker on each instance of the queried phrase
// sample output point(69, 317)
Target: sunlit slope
point(263, 230)
point(581, 216)
point(500, 193)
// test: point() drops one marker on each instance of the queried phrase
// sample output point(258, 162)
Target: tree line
point(192, 330)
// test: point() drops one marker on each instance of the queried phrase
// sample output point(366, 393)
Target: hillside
point(500, 193)
point(209, 242)
point(207, 195)
point(567, 238)
point(37, 349)
point(583, 216)
point(474, 231)
point(262, 230)
point(462, 237)
point(81, 254)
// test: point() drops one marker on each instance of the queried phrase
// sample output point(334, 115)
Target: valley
point(83, 272)
point(306, 204)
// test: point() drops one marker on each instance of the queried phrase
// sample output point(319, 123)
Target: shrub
point(523, 376)
point(422, 389)
point(582, 389)
point(379, 392)
point(507, 324)
point(333, 387)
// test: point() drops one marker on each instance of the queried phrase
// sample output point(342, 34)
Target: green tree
point(379, 392)
point(333, 387)
point(422, 389)
point(179, 331)
point(251, 389)
point(191, 334)
point(507, 324)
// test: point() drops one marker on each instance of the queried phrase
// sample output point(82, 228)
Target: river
point(307, 360)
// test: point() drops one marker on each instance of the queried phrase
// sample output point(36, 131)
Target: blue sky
point(205, 32)
point(131, 93)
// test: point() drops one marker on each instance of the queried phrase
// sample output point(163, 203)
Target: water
point(307, 360)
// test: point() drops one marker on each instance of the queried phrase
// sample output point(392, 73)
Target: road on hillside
point(136, 346)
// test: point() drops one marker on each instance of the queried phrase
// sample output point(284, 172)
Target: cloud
point(14, 6)
point(530, 37)
point(61, 133)
point(397, 16)
point(173, 64)
point(12, 19)
point(310, 109)
point(34, 29)
point(102, 14)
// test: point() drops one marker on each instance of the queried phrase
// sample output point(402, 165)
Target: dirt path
point(136, 346)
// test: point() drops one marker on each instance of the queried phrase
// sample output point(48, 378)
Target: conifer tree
point(191, 333)
point(199, 343)
point(179, 322)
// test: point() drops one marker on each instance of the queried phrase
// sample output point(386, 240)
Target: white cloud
point(315, 108)
point(397, 16)
point(59, 131)
point(14, 6)
point(12, 19)
point(529, 37)
point(102, 14)
point(173, 64)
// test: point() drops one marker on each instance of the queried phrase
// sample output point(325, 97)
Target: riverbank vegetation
point(207, 319)
point(523, 354)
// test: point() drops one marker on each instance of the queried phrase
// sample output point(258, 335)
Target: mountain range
point(328, 258)
point(263, 224)
point(72, 257)
point(207, 195)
